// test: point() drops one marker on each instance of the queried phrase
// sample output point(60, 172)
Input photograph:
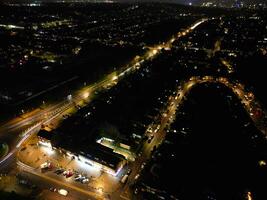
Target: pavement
point(42, 154)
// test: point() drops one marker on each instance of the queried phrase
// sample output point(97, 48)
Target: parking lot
point(54, 164)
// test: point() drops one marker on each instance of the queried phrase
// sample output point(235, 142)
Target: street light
point(86, 95)
point(100, 190)
point(249, 196)
point(69, 97)
point(114, 78)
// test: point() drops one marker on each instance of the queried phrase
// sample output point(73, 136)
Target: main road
point(18, 130)
point(166, 117)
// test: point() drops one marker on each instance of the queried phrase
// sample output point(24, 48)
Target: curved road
point(248, 101)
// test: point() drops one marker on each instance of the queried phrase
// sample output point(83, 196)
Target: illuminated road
point(247, 99)
point(20, 129)
point(54, 182)
point(166, 118)
point(52, 111)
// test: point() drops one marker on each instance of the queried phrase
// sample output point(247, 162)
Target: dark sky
point(194, 2)
point(175, 1)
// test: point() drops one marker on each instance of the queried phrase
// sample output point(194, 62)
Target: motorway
point(18, 130)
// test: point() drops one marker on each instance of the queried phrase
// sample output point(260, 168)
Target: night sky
point(187, 2)
point(173, 1)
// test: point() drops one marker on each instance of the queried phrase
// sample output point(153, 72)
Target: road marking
point(124, 197)
point(62, 183)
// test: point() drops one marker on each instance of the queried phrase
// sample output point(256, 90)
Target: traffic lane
point(106, 181)
point(136, 166)
point(9, 163)
point(148, 147)
point(108, 78)
point(46, 185)
point(127, 69)
point(34, 116)
point(47, 182)
point(159, 136)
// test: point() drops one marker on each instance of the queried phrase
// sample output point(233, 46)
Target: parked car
point(129, 171)
point(68, 173)
point(63, 192)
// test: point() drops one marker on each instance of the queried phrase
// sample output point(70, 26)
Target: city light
point(100, 190)
point(114, 78)
point(154, 52)
point(48, 150)
point(262, 163)
point(86, 95)
point(147, 76)
point(69, 97)
point(249, 196)
point(46, 144)
point(63, 192)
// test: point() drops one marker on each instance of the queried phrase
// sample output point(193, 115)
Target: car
point(136, 176)
point(124, 178)
point(78, 177)
point(68, 173)
point(136, 191)
point(85, 180)
point(129, 171)
point(63, 192)
point(52, 189)
point(143, 165)
point(46, 166)
point(59, 171)
point(150, 138)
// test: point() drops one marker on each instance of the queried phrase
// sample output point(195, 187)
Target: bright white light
point(86, 95)
point(69, 97)
point(88, 164)
point(48, 150)
point(118, 171)
point(46, 144)
point(107, 139)
point(100, 190)
point(69, 154)
point(114, 78)
point(249, 196)
point(63, 192)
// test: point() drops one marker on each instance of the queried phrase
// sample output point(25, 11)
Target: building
point(95, 155)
